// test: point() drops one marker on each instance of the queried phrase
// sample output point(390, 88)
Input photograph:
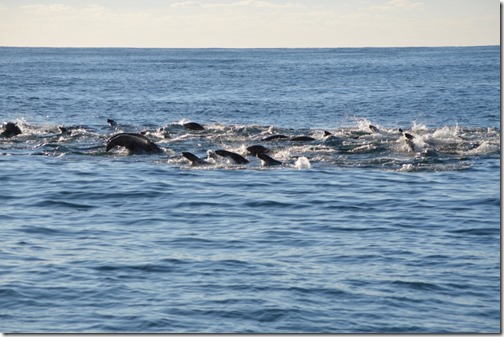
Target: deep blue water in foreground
point(363, 230)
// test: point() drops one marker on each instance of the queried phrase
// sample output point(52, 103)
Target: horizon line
point(341, 47)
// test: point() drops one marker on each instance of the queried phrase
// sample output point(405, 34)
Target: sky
point(249, 23)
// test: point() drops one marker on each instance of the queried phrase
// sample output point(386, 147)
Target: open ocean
point(361, 231)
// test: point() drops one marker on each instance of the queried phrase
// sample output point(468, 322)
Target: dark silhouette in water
point(374, 128)
point(409, 140)
point(274, 137)
point(256, 149)
point(193, 126)
point(267, 160)
point(195, 161)
point(10, 130)
point(234, 156)
point(293, 139)
point(302, 139)
point(409, 136)
point(134, 142)
point(64, 130)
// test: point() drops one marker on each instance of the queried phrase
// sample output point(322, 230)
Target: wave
point(364, 145)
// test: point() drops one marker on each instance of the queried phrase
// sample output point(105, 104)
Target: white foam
point(363, 148)
point(448, 133)
point(284, 154)
point(302, 163)
point(363, 125)
point(407, 168)
point(484, 148)
point(419, 127)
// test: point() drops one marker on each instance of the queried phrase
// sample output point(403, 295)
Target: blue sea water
point(360, 231)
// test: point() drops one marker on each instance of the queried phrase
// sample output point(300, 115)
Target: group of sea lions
point(256, 150)
point(138, 143)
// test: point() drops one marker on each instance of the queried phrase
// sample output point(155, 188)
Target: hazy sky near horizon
point(249, 23)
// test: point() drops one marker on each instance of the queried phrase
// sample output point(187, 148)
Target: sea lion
point(234, 156)
point(10, 130)
point(301, 139)
point(373, 128)
point(195, 161)
point(274, 137)
point(256, 149)
point(193, 126)
point(267, 160)
point(134, 142)
point(409, 140)
point(64, 130)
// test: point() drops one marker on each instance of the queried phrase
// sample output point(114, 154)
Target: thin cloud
point(405, 4)
point(46, 9)
point(238, 4)
point(244, 23)
point(397, 4)
point(262, 4)
point(187, 4)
